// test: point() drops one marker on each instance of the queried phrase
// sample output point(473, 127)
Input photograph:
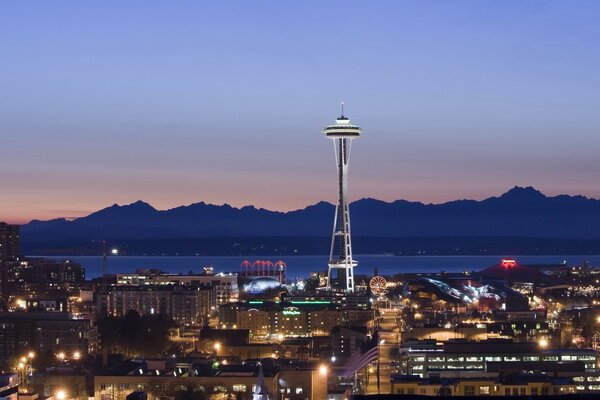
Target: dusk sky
point(224, 101)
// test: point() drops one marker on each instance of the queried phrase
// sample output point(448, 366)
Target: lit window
point(239, 388)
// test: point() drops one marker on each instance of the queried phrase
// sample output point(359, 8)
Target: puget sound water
point(301, 266)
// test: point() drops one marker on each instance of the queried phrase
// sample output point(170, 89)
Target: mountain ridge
point(520, 211)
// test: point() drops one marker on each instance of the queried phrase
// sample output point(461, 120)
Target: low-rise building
point(42, 332)
point(493, 358)
point(188, 306)
point(224, 287)
point(289, 319)
point(515, 385)
point(290, 382)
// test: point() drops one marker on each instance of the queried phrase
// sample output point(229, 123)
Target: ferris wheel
point(377, 285)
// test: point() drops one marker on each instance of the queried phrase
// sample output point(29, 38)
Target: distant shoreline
point(302, 265)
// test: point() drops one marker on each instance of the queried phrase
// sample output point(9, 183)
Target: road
point(388, 337)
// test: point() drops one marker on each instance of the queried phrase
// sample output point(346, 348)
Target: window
point(239, 388)
point(298, 390)
point(469, 390)
point(534, 391)
point(484, 390)
point(587, 358)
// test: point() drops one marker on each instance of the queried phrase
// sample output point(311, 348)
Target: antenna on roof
point(342, 109)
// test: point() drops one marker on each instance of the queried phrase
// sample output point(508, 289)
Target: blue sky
point(179, 102)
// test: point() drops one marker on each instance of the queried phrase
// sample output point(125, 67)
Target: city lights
point(170, 227)
point(323, 369)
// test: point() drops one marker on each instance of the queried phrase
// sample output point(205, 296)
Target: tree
point(133, 335)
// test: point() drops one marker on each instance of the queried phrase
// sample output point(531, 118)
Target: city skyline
point(203, 103)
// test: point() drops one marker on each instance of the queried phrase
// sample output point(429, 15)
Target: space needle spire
point(341, 262)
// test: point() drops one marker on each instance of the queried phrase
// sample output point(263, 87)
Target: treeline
point(136, 335)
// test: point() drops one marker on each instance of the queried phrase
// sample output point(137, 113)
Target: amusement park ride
point(377, 285)
point(264, 268)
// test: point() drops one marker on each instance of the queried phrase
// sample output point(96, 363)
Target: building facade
point(188, 306)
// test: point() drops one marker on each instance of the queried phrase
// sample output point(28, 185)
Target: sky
point(224, 102)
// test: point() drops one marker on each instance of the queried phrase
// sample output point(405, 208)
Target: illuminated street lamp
point(217, 346)
point(543, 343)
point(60, 395)
point(323, 369)
point(114, 252)
point(61, 356)
point(76, 355)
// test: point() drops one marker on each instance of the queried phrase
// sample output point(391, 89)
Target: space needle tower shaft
point(340, 255)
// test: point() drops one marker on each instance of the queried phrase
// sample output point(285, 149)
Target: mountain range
point(520, 212)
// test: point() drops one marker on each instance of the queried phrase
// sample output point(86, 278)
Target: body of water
point(301, 266)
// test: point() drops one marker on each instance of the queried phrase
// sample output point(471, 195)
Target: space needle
point(340, 255)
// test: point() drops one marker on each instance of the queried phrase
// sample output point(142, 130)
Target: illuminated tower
point(340, 255)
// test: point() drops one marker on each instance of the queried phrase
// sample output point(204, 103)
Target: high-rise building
point(9, 241)
point(340, 255)
point(9, 252)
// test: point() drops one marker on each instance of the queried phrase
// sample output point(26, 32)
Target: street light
point(61, 395)
point(323, 369)
point(61, 356)
point(77, 355)
point(543, 343)
point(114, 252)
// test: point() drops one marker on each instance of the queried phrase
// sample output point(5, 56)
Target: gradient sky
point(180, 102)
